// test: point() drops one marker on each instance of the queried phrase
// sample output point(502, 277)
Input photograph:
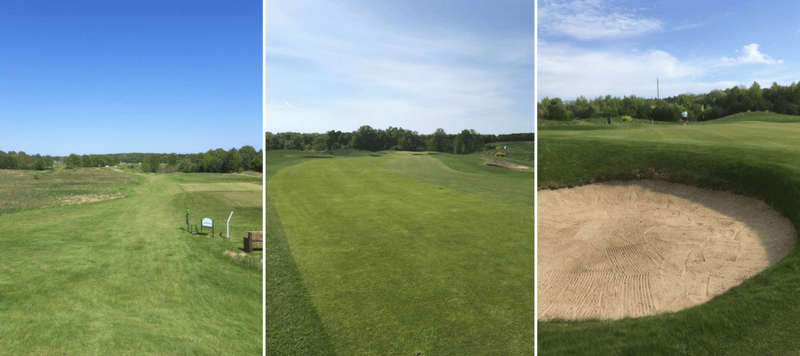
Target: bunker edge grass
point(759, 315)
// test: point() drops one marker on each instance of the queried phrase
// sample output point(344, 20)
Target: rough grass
point(25, 190)
point(123, 276)
point(757, 317)
point(377, 262)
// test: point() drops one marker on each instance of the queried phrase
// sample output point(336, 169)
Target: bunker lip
point(315, 156)
point(503, 164)
point(636, 248)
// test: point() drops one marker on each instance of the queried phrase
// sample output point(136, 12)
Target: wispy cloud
point(343, 55)
point(593, 19)
point(750, 54)
point(564, 69)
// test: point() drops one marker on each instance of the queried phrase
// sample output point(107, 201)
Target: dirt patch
point(503, 164)
point(234, 254)
point(90, 198)
point(638, 248)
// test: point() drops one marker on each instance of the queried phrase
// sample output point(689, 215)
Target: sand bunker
point(503, 164)
point(638, 248)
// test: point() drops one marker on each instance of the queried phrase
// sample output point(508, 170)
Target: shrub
point(489, 147)
point(500, 154)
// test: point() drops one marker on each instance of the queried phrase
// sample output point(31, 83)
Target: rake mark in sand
point(621, 249)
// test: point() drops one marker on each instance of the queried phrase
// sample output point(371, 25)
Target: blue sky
point(619, 48)
point(94, 77)
point(419, 65)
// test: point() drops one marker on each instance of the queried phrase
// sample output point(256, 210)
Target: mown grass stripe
point(397, 266)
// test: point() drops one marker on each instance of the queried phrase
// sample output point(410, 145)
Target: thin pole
point(228, 230)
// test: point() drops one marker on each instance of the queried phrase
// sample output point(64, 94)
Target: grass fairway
point(398, 255)
point(755, 154)
point(122, 276)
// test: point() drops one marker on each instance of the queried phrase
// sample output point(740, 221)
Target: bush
point(489, 147)
point(500, 154)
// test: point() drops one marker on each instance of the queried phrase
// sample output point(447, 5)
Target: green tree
point(320, 143)
point(39, 163)
point(475, 142)
point(458, 144)
point(6, 161)
point(257, 165)
point(185, 165)
point(557, 112)
point(437, 141)
point(232, 162)
point(72, 161)
point(365, 138)
point(172, 161)
point(150, 164)
point(248, 155)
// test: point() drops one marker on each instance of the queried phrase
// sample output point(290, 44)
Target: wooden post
point(252, 237)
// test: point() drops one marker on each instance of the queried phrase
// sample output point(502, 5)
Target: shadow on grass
point(293, 325)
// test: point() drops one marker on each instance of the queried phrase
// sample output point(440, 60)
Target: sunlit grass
point(762, 159)
point(123, 277)
point(375, 261)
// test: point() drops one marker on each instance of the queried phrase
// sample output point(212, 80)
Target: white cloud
point(567, 72)
point(593, 19)
point(750, 54)
point(342, 55)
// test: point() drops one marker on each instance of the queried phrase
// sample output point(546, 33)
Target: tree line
point(21, 160)
point(213, 161)
point(393, 138)
point(700, 107)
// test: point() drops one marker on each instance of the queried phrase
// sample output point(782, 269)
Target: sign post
point(187, 219)
point(207, 222)
point(228, 227)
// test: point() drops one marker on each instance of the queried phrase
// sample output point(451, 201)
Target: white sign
point(207, 222)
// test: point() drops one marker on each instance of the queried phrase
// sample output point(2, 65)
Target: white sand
point(637, 248)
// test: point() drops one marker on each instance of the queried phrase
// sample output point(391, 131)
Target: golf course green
point(96, 261)
point(398, 253)
point(755, 154)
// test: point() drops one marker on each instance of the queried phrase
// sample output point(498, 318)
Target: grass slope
point(758, 316)
point(378, 262)
point(122, 277)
